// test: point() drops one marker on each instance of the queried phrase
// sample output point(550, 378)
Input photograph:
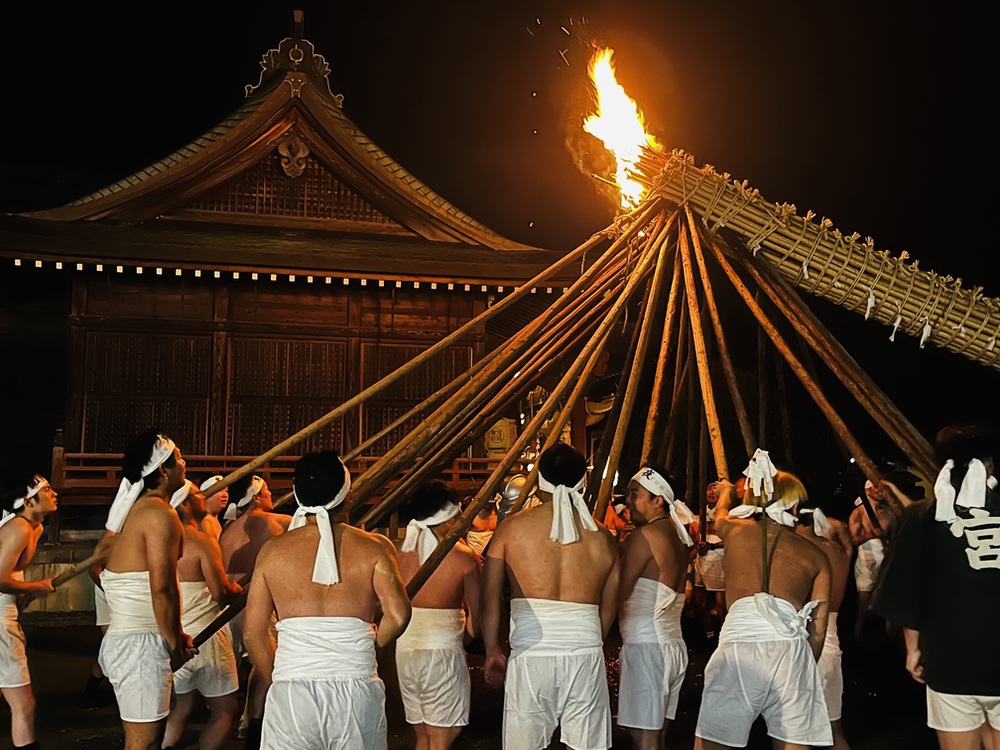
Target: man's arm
point(725, 491)
point(609, 595)
point(13, 542)
point(914, 659)
point(219, 585)
point(257, 620)
point(821, 615)
point(162, 536)
point(635, 553)
point(391, 593)
point(491, 607)
point(472, 583)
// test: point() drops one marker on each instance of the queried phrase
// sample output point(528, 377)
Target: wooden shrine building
point(253, 279)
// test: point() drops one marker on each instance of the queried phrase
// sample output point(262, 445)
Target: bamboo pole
point(761, 384)
point(78, 568)
point(701, 355)
point(667, 341)
point(486, 492)
point(692, 413)
point(840, 362)
point(656, 294)
point(838, 425)
point(783, 409)
point(682, 372)
point(720, 338)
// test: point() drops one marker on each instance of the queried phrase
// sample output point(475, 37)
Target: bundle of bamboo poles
point(817, 258)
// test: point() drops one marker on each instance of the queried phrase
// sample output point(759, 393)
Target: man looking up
point(325, 582)
point(563, 570)
point(145, 643)
point(778, 592)
point(654, 562)
point(204, 587)
point(430, 656)
point(25, 506)
point(215, 506)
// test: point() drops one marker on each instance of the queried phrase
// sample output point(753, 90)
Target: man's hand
point(183, 653)
point(495, 669)
point(914, 665)
point(43, 587)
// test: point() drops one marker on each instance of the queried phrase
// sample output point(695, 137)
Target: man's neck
point(33, 519)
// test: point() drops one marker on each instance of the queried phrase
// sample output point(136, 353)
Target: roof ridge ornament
point(297, 56)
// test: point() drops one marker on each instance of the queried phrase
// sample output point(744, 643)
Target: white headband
point(419, 535)
point(128, 492)
point(257, 485)
point(972, 493)
point(182, 494)
point(564, 500)
point(820, 523)
point(325, 571)
point(38, 484)
point(656, 484)
point(210, 481)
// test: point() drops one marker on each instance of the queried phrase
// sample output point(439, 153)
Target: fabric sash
point(419, 535)
point(564, 501)
point(324, 648)
point(198, 608)
point(765, 617)
point(549, 626)
point(651, 614)
point(433, 630)
point(129, 600)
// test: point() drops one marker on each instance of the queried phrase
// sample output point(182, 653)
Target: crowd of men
point(542, 587)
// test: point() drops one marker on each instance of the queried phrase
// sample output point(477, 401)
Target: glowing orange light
point(619, 124)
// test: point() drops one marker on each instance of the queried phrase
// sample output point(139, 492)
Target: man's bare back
point(838, 556)
point(446, 588)
point(242, 539)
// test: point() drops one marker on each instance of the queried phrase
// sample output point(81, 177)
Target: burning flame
point(619, 124)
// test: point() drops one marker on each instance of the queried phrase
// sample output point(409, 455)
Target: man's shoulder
point(16, 530)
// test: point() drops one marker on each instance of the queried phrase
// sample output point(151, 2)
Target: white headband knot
point(128, 492)
point(182, 494)
point(419, 535)
point(256, 486)
point(564, 501)
point(656, 484)
point(325, 571)
point(972, 493)
point(760, 474)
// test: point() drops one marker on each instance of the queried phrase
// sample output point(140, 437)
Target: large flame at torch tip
point(619, 124)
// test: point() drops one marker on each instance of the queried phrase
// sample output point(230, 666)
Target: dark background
point(875, 115)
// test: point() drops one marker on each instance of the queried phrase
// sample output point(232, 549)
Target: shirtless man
point(766, 660)
point(204, 588)
point(25, 506)
point(654, 562)
point(216, 506)
point(326, 582)
point(251, 523)
point(831, 536)
point(430, 656)
point(563, 570)
point(145, 643)
point(870, 544)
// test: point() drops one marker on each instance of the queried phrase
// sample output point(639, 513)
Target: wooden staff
point(81, 567)
point(667, 341)
point(236, 605)
point(701, 355)
point(682, 363)
point(656, 295)
point(761, 385)
point(838, 425)
point(486, 492)
point(720, 338)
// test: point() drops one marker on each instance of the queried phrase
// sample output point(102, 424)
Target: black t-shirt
point(944, 580)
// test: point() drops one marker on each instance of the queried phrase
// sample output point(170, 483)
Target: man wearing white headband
point(831, 536)
point(870, 545)
point(431, 663)
point(145, 642)
point(941, 583)
point(654, 562)
point(326, 582)
point(250, 523)
point(216, 505)
point(778, 593)
point(563, 572)
point(25, 506)
point(204, 589)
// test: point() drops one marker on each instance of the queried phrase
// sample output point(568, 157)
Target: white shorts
point(867, 563)
point(346, 714)
point(212, 672)
point(650, 683)
point(435, 686)
point(13, 660)
point(948, 712)
point(102, 612)
point(710, 570)
point(778, 680)
point(543, 692)
point(138, 666)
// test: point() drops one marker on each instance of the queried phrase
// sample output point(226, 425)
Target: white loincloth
point(213, 671)
point(133, 654)
point(710, 568)
point(867, 564)
point(830, 670)
point(478, 540)
point(326, 692)
point(102, 614)
point(432, 668)
point(764, 666)
point(556, 677)
point(13, 659)
point(653, 656)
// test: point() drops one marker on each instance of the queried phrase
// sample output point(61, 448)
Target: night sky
point(875, 115)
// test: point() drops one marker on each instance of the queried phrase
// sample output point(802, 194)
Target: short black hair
point(427, 501)
point(239, 488)
point(908, 483)
point(16, 489)
point(318, 478)
point(562, 464)
point(137, 455)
